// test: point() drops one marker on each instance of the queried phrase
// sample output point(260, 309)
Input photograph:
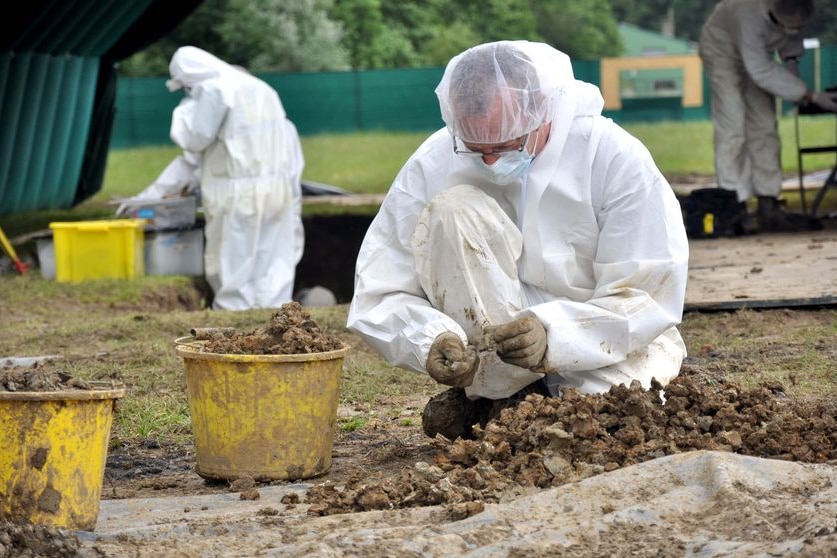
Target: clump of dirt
point(291, 331)
point(40, 376)
point(549, 441)
point(38, 541)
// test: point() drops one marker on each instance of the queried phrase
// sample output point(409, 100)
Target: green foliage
point(260, 35)
point(363, 25)
point(284, 36)
point(822, 25)
point(316, 35)
point(648, 14)
point(200, 29)
point(448, 41)
point(498, 20)
point(583, 29)
point(688, 15)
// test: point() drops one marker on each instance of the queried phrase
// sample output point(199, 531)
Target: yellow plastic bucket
point(54, 448)
point(270, 417)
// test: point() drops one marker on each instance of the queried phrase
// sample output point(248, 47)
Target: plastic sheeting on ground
point(691, 504)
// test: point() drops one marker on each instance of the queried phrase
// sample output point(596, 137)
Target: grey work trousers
point(747, 144)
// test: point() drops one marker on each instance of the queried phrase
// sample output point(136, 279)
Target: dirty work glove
point(450, 362)
point(521, 342)
point(824, 100)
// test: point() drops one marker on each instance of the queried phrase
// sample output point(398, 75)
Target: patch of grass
point(127, 332)
point(367, 163)
point(795, 347)
point(159, 416)
point(685, 148)
point(352, 424)
point(124, 331)
point(130, 170)
point(366, 378)
point(678, 148)
point(364, 162)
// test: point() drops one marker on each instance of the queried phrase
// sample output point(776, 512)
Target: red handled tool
point(10, 251)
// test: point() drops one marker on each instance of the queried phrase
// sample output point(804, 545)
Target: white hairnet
point(496, 92)
point(191, 65)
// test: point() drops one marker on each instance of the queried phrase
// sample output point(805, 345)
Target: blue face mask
point(507, 168)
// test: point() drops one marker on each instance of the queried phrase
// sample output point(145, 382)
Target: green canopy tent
point(58, 61)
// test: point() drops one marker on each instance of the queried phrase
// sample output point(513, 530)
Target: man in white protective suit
point(244, 155)
point(528, 246)
point(739, 44)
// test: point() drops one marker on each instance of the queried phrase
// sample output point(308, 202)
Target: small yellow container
point(270, 417)
point(99, 249)
point(54, 448)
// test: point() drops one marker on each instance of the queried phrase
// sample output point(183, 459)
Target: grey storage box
point(167, 213)
point(173, 252)
point(178, 252)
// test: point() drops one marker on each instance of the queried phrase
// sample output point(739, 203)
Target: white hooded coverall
point(738, 44)
point(246, 156)
point(591, 242)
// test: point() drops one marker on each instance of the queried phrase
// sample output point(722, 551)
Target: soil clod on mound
point(38, 541)
point(291, 331)
point(41, 376)
point(549, 441)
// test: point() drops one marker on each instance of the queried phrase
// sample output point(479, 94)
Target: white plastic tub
point(178, 252)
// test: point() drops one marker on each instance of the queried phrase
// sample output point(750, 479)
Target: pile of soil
point(549, 441)
point(291, 331)
point(39, 541)
point(40, 376)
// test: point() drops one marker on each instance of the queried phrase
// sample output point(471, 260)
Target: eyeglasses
point(467, 152)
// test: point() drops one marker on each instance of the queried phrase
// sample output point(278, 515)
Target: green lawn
point(368, 162)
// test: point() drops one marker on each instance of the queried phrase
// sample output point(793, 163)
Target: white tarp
point(692, 504)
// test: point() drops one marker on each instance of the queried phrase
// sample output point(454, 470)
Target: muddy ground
point(542, 443)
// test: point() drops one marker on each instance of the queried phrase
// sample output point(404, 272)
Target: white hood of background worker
point(250, 168)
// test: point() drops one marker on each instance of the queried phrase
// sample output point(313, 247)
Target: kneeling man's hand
point(521, 342)
point(451, 362)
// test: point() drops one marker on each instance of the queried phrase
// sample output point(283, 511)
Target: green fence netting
point(392, 100)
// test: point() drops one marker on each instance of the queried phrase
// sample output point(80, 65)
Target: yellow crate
point(99, 249)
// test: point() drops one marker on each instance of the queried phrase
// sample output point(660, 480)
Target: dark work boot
point(453, 415)
point(772, 218)
point(745, 222)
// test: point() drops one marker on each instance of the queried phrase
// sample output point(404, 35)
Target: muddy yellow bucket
point(270, 417)
point(54, 448)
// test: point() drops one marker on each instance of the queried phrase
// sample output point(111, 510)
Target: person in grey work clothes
point(738, 46)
